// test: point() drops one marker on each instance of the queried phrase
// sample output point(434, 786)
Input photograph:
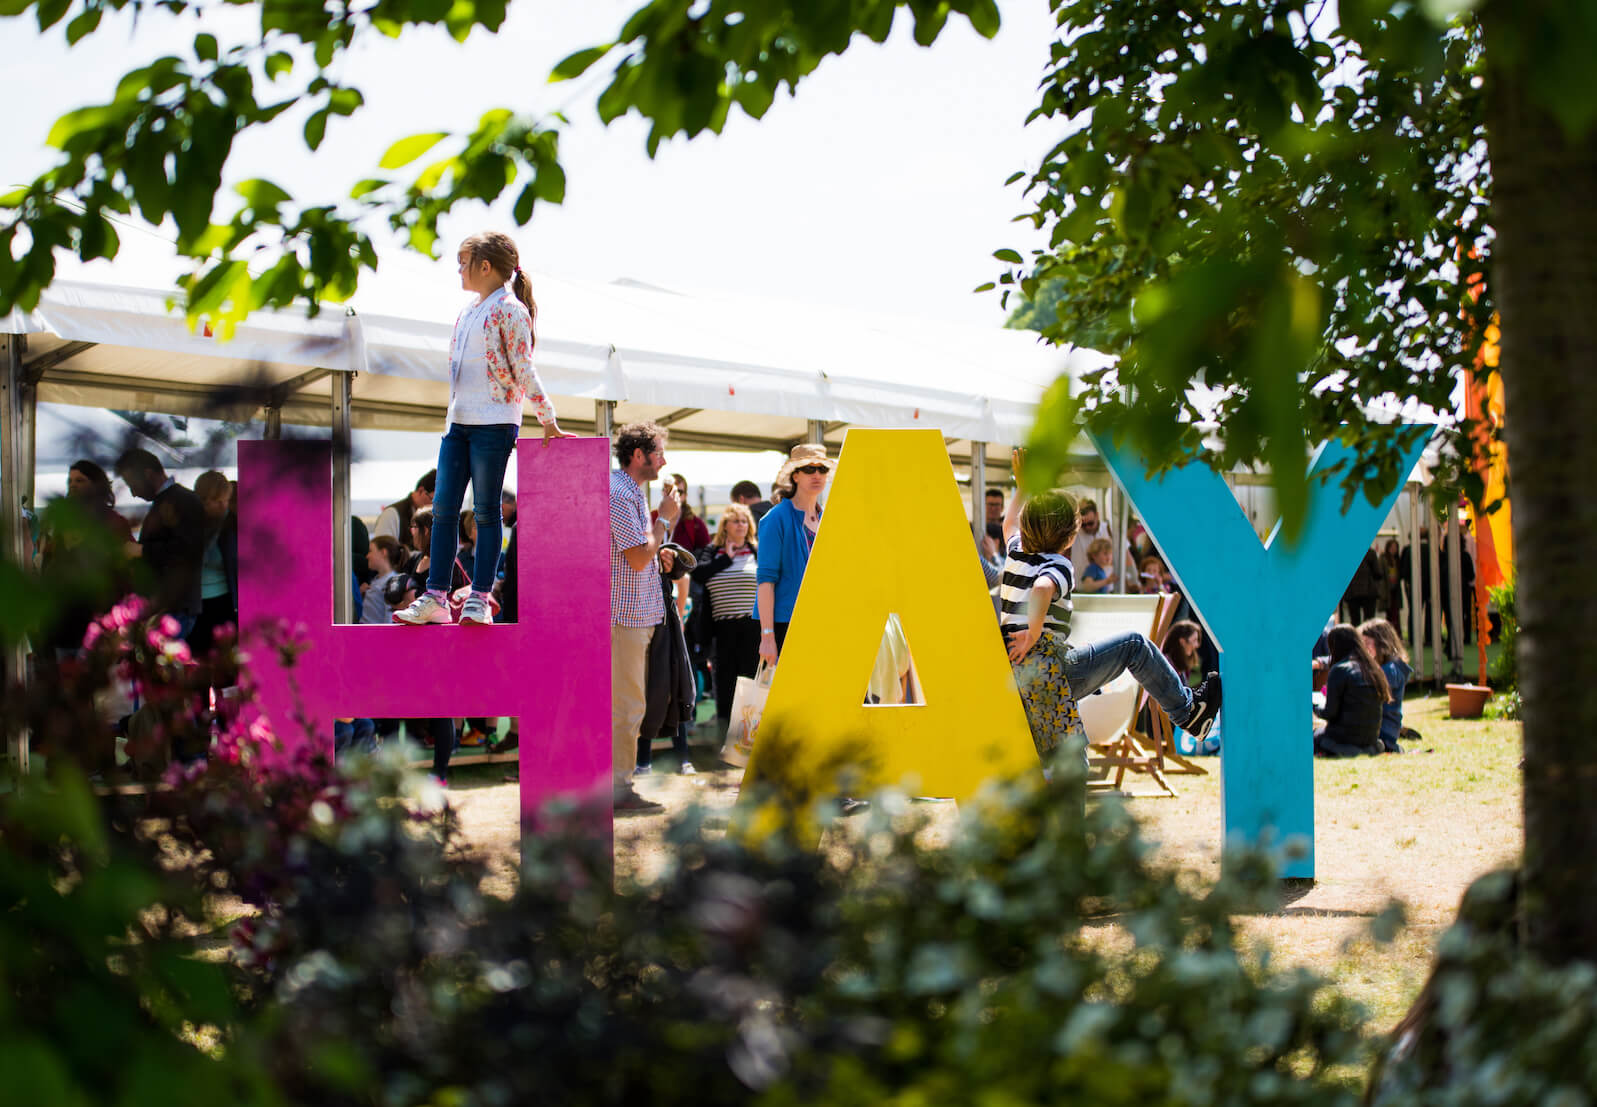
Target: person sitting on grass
point(1355, 693)
point(1386, 646)
point(1035, 618)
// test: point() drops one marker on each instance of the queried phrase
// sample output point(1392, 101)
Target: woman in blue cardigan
point(786, 535)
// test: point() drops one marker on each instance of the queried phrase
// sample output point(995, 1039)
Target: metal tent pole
point(13, 528)
point(815, 431)
point(1415, 601)
point(978, 490)
point(1122, 534)
point(604, 418)
point(1434, 595)
point(343, 555)
point(274, 424)
point(1455, 591)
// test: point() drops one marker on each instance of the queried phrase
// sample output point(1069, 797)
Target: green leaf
point(574, 65)
point(277, 64)
point(407, 150)
point(316, 128)
point(983, 16)
point(550, 183)
point(76, 122)
point(49, 12)
point(1011, 256)
point(205, 47)
point(262, 195)
point(83, 24)
point(522, 212)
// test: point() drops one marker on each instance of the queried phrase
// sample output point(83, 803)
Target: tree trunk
point(1544, 279)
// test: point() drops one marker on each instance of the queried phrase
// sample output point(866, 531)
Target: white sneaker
point(475, 610)
point(423, 609)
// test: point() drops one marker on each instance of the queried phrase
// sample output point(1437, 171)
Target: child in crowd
point(1035, 618)
point(490, 375)
point(1096, 577)
point(1355, 696)
point(1155, 577)
point(382, 558)
point(1386, 646)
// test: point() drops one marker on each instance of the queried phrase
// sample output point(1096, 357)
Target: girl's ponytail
point(522, 287)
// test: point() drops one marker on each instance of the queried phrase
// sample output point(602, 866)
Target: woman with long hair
point(490, 376)
point(1355, 694)
point(1386, 646)
point(729, 576)
point(1182, 643)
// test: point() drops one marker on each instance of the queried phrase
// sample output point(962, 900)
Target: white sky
point(880, 185)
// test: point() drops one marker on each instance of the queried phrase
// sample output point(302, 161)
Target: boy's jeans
point(1092, 666)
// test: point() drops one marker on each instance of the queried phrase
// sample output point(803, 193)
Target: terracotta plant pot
point(1467, 701)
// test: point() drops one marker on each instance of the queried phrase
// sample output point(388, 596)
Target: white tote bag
point(748, 704)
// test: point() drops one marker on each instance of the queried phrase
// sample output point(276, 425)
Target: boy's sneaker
point(475, 611)
point(629, 802)
point(423, 609)
point(1205, 707)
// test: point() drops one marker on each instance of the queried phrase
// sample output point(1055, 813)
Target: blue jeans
point(480, 454)
point(1090, 667)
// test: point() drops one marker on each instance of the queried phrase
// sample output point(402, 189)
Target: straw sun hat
point(805, 453)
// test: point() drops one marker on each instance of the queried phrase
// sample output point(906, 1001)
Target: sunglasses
point(811, 469)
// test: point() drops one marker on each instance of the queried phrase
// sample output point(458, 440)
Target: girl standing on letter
point(490, 375)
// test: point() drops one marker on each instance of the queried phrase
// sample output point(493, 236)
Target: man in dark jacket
point(172, 538)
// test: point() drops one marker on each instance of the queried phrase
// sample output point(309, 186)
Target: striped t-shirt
point(733, 589)
point(1021, 571)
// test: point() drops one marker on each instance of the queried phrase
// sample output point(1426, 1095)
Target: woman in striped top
point(728, 576)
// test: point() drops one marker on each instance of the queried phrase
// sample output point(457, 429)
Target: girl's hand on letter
point(552, 430)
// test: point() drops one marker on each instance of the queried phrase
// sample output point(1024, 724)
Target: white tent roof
point(722, 370)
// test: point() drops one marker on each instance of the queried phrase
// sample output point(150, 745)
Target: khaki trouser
point(629, 673)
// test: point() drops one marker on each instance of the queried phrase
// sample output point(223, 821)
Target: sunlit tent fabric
point(731, 371)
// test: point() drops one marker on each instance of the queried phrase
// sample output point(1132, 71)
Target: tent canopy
point(720, 370)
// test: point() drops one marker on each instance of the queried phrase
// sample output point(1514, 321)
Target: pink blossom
point(169, 626)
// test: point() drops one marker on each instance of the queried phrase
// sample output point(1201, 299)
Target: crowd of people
point(692, 612)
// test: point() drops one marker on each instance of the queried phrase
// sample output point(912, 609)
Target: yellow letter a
point(894, 539)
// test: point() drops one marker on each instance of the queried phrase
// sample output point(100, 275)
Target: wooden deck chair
point(1114, 744)
point(1161, 734)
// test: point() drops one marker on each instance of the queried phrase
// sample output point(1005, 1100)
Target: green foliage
point(1038, 957)
point(1286, 217)
point(160, 145)
point(1494, 1024)
point(100, 997)
point(684, 68)
point(1505, 669)
point(1047, 311)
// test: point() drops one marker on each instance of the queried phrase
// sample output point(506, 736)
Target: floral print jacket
point(506, 345)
